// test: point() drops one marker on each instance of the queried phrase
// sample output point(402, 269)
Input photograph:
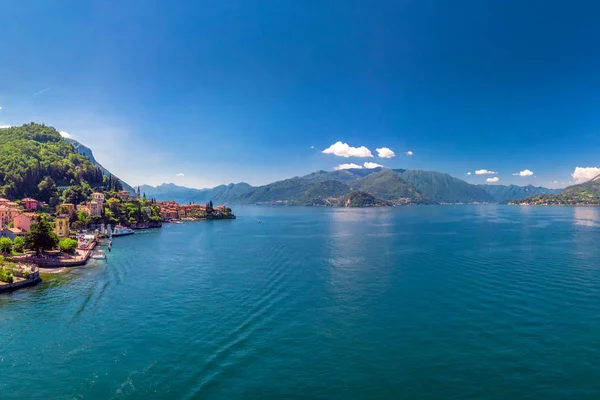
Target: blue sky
point(255, 90)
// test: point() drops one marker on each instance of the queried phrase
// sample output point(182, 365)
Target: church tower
point(138, 193)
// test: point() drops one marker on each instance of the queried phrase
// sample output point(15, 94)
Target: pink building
point(23, 221)
point(30, 204)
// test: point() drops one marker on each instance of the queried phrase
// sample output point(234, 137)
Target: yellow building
point(61, 227)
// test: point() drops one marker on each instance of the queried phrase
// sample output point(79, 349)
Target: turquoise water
point(448, 302)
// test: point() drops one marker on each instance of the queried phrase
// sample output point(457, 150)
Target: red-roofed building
point(30, 204)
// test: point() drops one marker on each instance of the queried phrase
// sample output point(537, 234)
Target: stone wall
point(33, 279)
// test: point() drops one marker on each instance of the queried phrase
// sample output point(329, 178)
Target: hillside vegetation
point(35, 158)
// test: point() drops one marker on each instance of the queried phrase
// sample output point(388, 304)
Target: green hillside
point(443, 188)
point(388, 185)
point(35, 159)
point(362, 199)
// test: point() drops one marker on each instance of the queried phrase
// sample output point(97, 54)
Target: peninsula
point(56, 203)
point(585, 194)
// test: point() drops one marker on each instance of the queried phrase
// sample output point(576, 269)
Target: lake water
point(432, 302)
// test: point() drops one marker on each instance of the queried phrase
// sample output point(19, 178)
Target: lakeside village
point(34, 238)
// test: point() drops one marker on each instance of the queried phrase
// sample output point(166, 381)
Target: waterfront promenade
point(53, 260)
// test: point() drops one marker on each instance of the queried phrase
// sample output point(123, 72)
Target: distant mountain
point(342, 175)
point(86, 151)
point(221, 194)
point(587, 193)
point(504, 193)
point(331, 187)
point(443, 188)
point(388, 185)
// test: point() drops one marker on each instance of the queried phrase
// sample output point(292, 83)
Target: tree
point(75, 194)
point(117, 185)
point(40, 236)
point(78, 225)
point(67, 245)
point(46, 189)
point(6, 245)
point(18, 244)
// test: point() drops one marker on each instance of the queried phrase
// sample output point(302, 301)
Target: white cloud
point(312, 147)
point(409, 153)
point(371, 165)
point(492, 180)
point(468, 173)
point(554, 181)
point(384, 152)
point(582, 174)
point(347, 166)
point(180, 174)
point(484, 172)
point(344, 150)
point(0, 108)
point(4, 126)
point(65, 134)
point(525, 172)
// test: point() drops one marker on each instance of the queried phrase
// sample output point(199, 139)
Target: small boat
point(177, 222)
point(259, 221)
point(99, 256)
point(122, 231)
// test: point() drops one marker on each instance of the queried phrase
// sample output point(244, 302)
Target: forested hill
point(34, 158)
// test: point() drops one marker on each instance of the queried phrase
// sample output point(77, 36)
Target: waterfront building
point(61, 227)
point(3, 201)
point(30, 204)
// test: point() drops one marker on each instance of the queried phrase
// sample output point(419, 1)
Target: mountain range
point(504, 193)
point(36, 159)
point(394, 186)
point(587, 193)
